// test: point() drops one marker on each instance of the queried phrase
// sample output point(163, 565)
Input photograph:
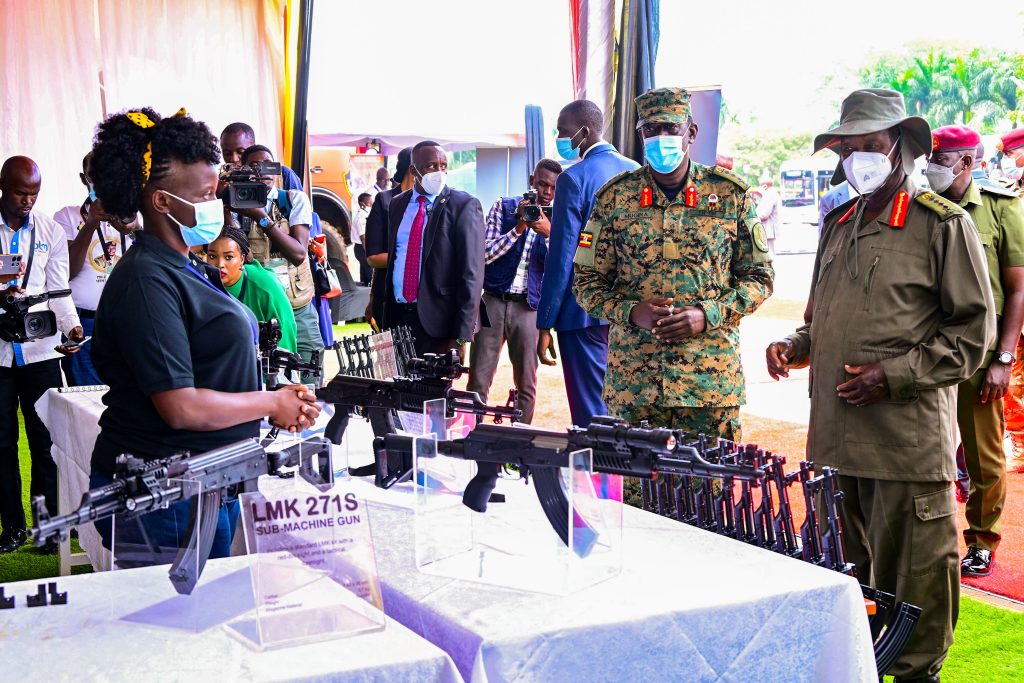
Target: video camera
point(532, 210)
point(19, 325)
point(246, 189)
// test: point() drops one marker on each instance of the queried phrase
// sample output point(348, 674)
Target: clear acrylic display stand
point(513, 544)
point(314, 572)
point(179, 595)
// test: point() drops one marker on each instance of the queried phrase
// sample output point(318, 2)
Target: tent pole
point(299, 129)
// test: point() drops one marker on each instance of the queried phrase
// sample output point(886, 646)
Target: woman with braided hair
point(251, 283)
point(177, 351)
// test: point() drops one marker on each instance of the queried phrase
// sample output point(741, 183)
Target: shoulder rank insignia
point(900, 204)
point(646, 197)
point(846, 216)
point(691, 196)
point(997, 190)
point(940, 205)
point(586, 240)
point(729, 175)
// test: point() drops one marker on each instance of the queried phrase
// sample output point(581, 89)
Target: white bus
point(804, 181)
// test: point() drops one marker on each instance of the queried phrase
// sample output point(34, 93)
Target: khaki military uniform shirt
point(912, 293)
point(999, 216)
point(705, 248)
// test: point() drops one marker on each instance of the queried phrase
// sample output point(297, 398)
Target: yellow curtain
point(289, 11)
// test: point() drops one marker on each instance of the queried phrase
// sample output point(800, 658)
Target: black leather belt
point(507, 296)
point(405, 307)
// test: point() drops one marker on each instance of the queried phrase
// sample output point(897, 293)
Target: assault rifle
point(426, 379)
point(617, 449)
point(142, 486)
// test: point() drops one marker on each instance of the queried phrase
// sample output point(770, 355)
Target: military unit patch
point(586, 240)
point(760, 238)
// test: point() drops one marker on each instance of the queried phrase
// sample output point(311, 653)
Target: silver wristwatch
point(1005, 357)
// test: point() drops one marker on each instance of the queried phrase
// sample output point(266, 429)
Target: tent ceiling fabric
point(392, 144)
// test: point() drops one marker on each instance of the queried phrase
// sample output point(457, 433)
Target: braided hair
point(236, 235)
point(120, 165)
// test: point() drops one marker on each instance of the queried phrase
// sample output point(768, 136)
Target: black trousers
point(25, 385)
point(409, 317)
point(365, 271)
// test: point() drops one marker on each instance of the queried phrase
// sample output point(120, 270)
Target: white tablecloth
point(87, 639)
point(689, 605)
point(73, 421)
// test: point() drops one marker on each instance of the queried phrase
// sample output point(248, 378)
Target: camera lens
point(34, 325)
point(244, 194)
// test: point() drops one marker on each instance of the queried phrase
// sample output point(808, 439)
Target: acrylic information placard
point(314, 572)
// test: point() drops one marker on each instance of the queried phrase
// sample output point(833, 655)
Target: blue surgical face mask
point(565, 148)
point(92, 193)
point(664, 153)
point(209, 221)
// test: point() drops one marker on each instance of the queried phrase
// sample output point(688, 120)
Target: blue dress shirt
point(402, 242)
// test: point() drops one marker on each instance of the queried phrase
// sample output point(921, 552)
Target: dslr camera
point(532, 210)
point(246, 189)
point(19, 325)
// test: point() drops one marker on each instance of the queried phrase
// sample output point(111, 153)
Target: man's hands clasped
point(666, 322)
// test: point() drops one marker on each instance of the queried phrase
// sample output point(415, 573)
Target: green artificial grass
point(351, 329)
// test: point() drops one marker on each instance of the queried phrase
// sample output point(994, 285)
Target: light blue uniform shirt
point(402, 242)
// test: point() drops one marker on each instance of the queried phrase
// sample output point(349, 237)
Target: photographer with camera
point(27, 370)
point(251, 283)
point(278, 233)
point(177, 351)
point(96, 242)
point(238, 137)
point(515, 244)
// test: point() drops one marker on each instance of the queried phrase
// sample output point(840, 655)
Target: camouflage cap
point(663, 105)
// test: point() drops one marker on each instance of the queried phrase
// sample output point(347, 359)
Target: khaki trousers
point(981, 430)
point(515, 322)
point(901, 535)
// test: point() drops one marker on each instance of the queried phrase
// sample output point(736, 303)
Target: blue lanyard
point(248, 317)
point(15, 242)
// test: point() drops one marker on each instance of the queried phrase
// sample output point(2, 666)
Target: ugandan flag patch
point(586, 240)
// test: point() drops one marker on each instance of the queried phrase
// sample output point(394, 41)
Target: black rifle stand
point(55, 597)
point(39, 599)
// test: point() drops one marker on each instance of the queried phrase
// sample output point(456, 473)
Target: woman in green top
point(251, 283)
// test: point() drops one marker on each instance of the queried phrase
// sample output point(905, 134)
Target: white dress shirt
point(49, 272)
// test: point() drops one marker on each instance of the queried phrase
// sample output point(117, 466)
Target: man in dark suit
point(375, 237)
point(582, 340)
point(435, 257)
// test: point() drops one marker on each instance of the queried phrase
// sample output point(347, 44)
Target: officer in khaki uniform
point(999, 217)
point(673, 256)
point(901, 312)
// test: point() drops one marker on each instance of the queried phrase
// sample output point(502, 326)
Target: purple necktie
point(411, 284)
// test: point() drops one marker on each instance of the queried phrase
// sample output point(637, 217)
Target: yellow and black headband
point(142, 121)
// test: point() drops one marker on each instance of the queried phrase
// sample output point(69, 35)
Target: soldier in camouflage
point(673, 256)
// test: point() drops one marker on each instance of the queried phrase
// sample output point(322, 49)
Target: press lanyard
point(15, 243)
point(248, 318)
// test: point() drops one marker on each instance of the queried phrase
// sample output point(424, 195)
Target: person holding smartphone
point(177, 351)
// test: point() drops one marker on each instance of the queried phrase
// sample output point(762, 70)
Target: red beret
point(1013, 139)
point(954, 138)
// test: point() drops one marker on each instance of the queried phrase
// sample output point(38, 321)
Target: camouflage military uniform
point(705, 248)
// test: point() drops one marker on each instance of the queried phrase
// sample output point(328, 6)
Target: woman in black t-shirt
point(176, 350)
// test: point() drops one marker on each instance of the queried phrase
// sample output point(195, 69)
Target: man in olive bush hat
point(901, 312)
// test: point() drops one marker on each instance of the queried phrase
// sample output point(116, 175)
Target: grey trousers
point(515, 322)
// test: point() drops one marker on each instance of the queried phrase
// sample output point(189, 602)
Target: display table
point(689, 605)
point(90, 638)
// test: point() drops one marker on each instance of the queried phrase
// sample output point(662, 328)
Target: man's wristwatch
point(264, 223)
point(1005, 357)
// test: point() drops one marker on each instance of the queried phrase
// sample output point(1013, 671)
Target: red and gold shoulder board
point(900, 204)
point(691, 196)
point(646, 197)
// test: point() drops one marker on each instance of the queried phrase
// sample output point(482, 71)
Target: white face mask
point(941, 177)
point(434, 182)
point(867, 171)
point(1010, 168)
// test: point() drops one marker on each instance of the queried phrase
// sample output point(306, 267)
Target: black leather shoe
point(12, 540)
point(977, 562)
point(934, 678)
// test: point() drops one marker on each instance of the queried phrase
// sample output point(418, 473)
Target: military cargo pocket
point(886, 423)
point(929, 506)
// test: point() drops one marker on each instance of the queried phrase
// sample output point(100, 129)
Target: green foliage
point(764, 154)
point(976, 87)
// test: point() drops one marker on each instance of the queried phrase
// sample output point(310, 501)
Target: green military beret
point(663, 105)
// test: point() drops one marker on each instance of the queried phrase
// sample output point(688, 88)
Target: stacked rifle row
point(378, 356)
point(730, 507)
